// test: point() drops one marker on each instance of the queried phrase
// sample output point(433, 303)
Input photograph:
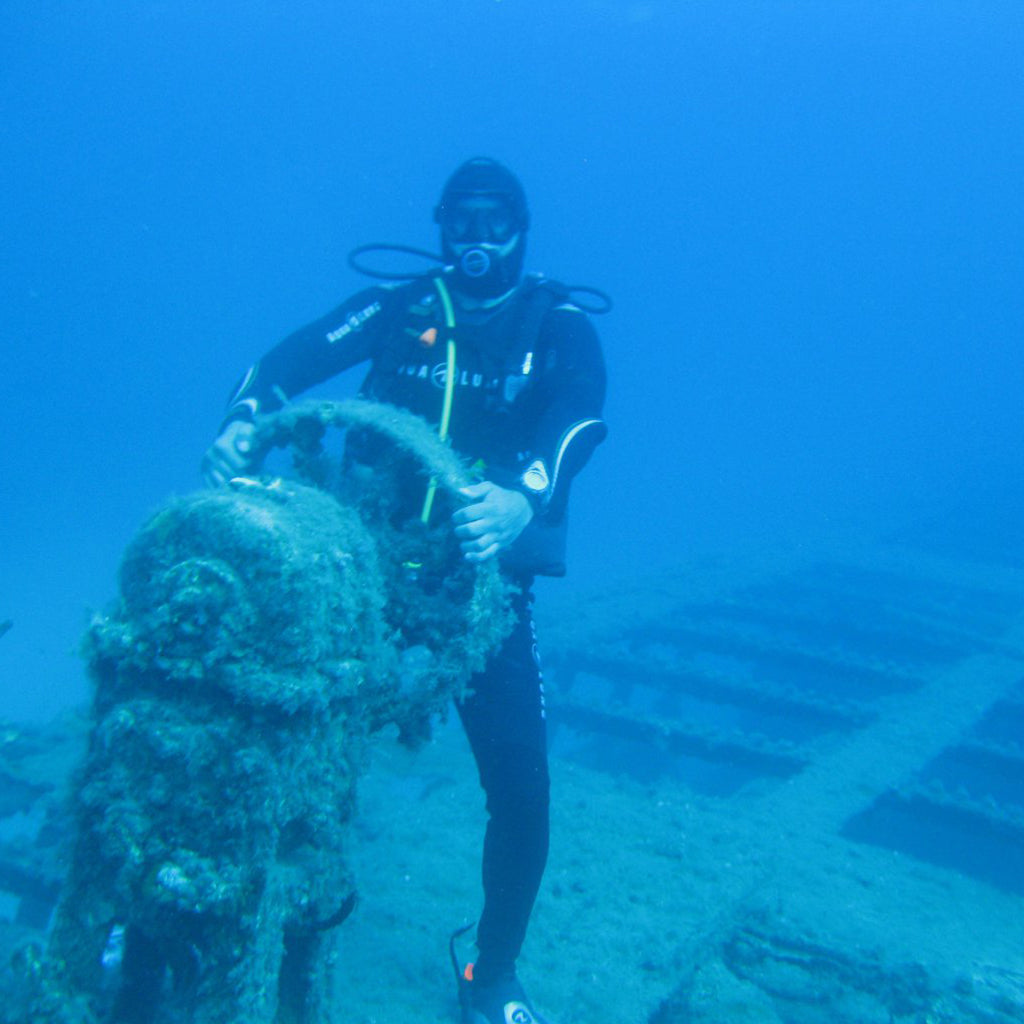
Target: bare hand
point(228, 456)
point(491, 521)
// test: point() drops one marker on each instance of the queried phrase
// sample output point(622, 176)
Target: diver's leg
point(504, 721)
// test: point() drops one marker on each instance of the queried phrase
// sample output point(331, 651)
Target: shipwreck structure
point(261, 633)
point(791, 790)
point(848, 726)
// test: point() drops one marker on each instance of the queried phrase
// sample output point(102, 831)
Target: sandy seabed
point(645, 884)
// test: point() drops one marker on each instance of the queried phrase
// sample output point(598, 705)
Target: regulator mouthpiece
point(475, 263)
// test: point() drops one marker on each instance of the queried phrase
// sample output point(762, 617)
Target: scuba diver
point(510, 370)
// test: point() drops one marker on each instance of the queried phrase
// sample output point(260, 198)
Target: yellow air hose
point(449, 387)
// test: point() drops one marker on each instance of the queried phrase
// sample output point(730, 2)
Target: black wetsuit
point(527, 402)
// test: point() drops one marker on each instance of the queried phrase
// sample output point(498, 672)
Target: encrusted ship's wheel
point(444, 613)
point(261, 631)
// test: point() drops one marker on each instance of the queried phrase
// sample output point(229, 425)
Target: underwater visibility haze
point(810, 217)
point(808, 214)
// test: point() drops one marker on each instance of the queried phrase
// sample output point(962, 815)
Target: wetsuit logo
point(354, 322)
point(439, 376)
point(516, 1013)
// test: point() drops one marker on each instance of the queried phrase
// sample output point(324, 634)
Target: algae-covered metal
point(261, 632)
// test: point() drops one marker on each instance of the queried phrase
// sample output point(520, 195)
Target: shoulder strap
point(543, 295)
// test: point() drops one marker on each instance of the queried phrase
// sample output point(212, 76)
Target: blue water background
point(810, 215)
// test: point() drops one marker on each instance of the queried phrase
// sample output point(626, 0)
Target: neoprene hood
point(489, 265)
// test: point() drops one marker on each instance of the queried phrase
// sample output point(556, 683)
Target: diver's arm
point(570, 426)
point(343, 338)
